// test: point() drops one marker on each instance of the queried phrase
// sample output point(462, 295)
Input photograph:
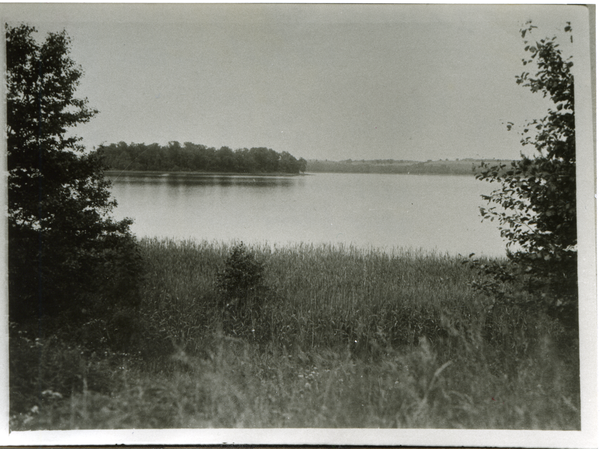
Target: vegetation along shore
point(228, 335)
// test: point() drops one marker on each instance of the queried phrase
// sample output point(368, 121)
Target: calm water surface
point(439, 213)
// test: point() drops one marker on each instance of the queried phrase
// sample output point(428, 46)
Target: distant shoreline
point(460, 167)
point(457, 167)
point(197, 173)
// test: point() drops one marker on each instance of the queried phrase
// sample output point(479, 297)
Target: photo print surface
point(308, 223)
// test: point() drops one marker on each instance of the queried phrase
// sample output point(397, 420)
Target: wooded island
point(194, 157)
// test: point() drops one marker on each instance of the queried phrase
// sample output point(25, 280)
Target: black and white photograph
point(277, 223)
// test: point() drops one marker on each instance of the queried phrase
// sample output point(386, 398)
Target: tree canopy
point(67, 256)
point(536, 203)
point(195, 157)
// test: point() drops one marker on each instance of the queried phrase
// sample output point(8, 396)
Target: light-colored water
point(438, 213)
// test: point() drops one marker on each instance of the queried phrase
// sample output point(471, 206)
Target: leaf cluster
point(242, 293)
point(69, 261)
point(536, 202)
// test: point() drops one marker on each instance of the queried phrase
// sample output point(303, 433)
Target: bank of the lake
point(117, 173)
point(344, 338)
point(455, 167)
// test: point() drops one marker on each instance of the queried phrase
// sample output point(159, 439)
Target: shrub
point(243, 294)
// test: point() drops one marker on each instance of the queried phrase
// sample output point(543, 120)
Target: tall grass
point(322, 296)
point(346, 338)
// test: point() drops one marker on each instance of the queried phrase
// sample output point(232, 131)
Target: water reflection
point(203, 180)
point(385, 211)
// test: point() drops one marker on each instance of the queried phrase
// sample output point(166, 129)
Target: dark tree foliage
point(536, 204)
point(194, 157)
point(68, 259)
point(243, 294)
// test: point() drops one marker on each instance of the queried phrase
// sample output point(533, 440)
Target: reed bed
point(346, 338)
point(320, 296)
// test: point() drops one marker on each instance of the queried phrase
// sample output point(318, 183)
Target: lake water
point(439, 213)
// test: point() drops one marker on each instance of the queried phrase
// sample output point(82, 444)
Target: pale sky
point(320, 81)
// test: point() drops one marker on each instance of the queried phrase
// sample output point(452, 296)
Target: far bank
point(197, 173)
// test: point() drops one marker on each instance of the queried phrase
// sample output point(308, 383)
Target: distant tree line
point(447, 167)
point(194, 157)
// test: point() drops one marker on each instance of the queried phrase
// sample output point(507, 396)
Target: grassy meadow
point(343, 338)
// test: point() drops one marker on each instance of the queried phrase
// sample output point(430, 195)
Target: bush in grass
point(243, 294)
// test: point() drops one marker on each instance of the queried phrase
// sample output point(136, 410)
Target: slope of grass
point(345, 338)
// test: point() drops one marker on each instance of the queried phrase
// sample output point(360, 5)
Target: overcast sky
point(331, 82)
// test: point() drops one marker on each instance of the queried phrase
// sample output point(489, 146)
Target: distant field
point(440, 167)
